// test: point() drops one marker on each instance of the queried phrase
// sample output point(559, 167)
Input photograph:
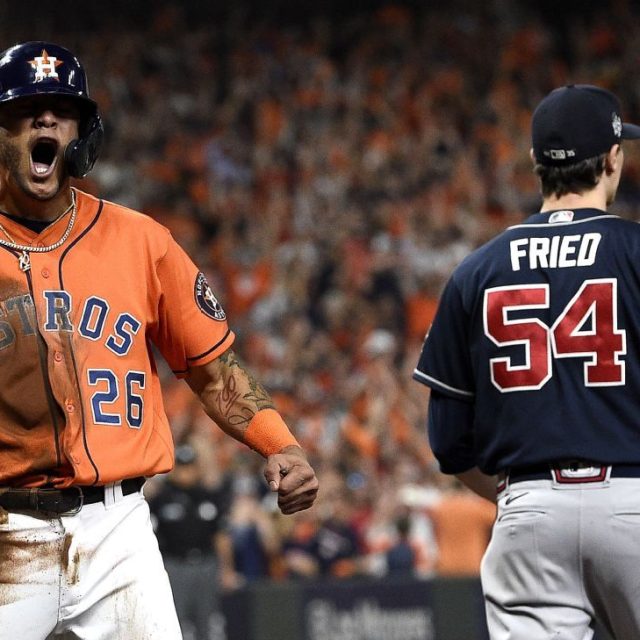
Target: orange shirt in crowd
point(420, 310)
point(462, 524)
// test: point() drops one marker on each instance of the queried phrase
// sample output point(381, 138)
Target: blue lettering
point(135, 401)
point(125, 328)
point(58, 309)
point(94, 315)
point(100, 398)
point(7, 334)
point(24, 306)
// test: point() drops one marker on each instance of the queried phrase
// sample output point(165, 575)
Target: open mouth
point(43, 157)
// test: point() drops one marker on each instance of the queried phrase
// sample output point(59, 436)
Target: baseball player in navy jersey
point(86, 288)
point(533, 364)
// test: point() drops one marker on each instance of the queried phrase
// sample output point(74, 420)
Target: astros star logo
point(206, 300)
point(45, 66)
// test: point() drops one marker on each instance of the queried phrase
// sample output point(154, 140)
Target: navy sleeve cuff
point(451, 432)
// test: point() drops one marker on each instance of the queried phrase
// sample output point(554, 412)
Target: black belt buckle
point(58, 501)
point(80, 503)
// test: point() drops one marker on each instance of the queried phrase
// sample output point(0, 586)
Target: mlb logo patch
point(561, 216)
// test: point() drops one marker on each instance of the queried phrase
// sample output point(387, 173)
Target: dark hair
point(573, 178)
point(403, 525)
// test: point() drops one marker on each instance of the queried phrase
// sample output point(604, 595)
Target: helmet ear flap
point(82, 153)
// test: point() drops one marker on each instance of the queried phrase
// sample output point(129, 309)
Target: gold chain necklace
point(24, 261)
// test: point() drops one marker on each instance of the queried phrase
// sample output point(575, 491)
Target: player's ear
point(532, 156)
point(612, 159)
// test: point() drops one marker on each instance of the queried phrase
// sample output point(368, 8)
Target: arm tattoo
point(241, 395)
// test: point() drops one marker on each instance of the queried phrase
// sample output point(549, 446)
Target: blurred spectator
point(324, 542)
point(462, 523)
point(299, 558)
point(402, 504)
point(401, 556)
point(187, 518)
point(336, 547)
point(251, 541)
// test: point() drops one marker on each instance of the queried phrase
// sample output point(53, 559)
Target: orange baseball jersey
point(80, 398)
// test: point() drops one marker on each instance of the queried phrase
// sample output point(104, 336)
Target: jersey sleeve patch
point(206, 301)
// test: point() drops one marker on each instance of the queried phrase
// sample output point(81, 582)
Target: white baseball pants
point(96, 575)
point(562, 556)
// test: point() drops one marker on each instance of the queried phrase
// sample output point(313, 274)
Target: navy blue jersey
point(540, 330)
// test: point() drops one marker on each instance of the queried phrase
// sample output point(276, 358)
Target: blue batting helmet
point(43, 68)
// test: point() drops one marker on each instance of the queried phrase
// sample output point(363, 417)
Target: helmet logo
point(45, 66)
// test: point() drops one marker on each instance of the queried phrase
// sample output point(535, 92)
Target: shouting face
point(34, 133)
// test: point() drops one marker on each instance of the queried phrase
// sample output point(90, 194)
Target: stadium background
point(327, 165)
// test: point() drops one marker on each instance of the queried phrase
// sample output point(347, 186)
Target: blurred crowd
point(327, 174)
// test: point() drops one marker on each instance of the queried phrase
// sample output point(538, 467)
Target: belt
point(572, 472)
point(60, 501)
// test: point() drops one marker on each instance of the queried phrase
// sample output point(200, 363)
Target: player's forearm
point(480, 483)
point(239, 404)
point(229, 393)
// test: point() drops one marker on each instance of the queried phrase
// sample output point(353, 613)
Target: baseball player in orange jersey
point(86, 286)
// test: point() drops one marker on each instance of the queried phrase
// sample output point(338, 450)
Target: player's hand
point(290, 474)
